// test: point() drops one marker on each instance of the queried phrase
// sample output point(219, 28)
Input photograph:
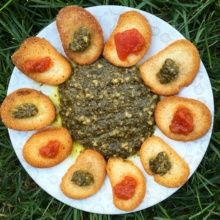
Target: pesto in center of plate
point(108, 108)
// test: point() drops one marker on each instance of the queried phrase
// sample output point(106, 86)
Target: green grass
point(197, 20)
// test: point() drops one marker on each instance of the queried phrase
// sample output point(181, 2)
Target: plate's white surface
point(193, 152)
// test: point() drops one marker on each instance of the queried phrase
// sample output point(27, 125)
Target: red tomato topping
point(182, 122)
point(38, 65)
point(126, 188)
point(50, 150)
point(127, 42)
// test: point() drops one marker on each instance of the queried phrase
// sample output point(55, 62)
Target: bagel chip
point(172, 68)
point(135, 40)
point(40, 61)
point(128, 183)
point(183, 129)
point(176, 172)
point(27, 109)
point(86, 176)
point(48, 148)
point(81, 34)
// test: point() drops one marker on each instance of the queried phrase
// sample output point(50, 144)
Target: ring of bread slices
point(165, 73)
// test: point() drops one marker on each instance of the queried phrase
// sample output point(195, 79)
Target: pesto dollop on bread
point(81, 34)
point(176, 173)
point(183, 56)
point(86, 176)
point(27, 109)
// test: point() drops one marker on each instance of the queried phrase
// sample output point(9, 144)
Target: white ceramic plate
point(193, 152)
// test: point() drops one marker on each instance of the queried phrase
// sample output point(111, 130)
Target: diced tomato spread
point(128, 42)
point(182, 122)
point(50, 150)
point(38, 65)
point(126, 188)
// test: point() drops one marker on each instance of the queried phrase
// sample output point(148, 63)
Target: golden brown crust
point(117, 169)
point(179, 172)
point(35, 48)
point(128, 20)
point(46, 110)
point(186, 56)
point(40, 139)
point(167, 107)
point(70, 19)
point(91, 161)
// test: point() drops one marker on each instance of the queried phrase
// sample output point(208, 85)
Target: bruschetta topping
point(38, 65)
point(81, 40)
point(182, 122)
point(160, 164)
point(128, 42)
point(50, 150)
point(126, 188)
point(25, 110)
point(82, 178)
point(169, 71)
point(48, 147)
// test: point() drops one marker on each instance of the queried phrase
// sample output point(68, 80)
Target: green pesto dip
point(108, 108)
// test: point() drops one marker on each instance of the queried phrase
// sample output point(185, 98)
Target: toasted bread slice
point(34, 49)
point(44, 142)
point(127, 21)
point(201, 115)
point(69, 20)
point(186, 57)
point(88, 161)
point(117, 170)
point(179, 171)
point(27, 109)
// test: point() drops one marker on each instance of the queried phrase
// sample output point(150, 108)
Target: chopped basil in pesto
point(25, 110)
point(81, 40)
point(82, 178)
point(108, 108)
point(169, 72)
point(160, 164)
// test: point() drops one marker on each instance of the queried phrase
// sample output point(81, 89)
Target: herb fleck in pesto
point(108, 108)
point(25, 110)
point(81, 40)
point(169, 72)
point(161, 164)
point(82, 178)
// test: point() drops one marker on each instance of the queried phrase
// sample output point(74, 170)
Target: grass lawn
point(198, 21)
